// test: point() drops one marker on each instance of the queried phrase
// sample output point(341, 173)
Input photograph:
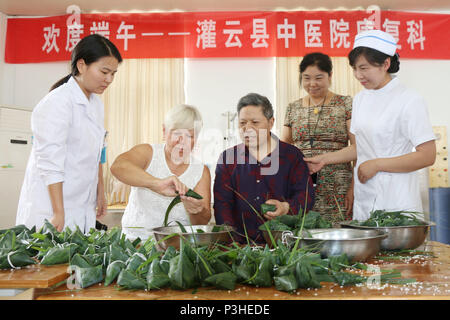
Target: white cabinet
point(15, 147)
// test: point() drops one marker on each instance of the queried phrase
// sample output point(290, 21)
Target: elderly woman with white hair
point(158, 172)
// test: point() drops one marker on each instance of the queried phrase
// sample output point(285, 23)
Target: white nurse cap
point(378, 40)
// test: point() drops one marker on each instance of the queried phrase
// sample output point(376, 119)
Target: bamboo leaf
point(177, 200)
point(183, 230)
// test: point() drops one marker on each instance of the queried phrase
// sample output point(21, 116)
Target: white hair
point(183, 116)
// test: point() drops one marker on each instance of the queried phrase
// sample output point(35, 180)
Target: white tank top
point(147, 208)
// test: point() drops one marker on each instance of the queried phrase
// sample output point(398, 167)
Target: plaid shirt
point(282, 175)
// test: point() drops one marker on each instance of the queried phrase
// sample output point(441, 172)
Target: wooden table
point(432, 275)
point(20, 284)
point(34, 276)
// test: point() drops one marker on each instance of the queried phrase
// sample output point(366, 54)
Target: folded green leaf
point(224, 280)
point(267, 207)
point(203, 267)
point(274, 225)
point(337, 263)
point(114, 235)
point(290, 220)
point(79, 261)
point(191, 193)
point(306, 277)
point(48, 228)
point(286, 283)
point(39, 236)
point(7, 241)
point(182, 273)
point(95, 259)
point(165, 260)
point(129, 280)
point(220, 266)
point(113, 271)
point(177, 200)
point(135, 261)
point(314, 220)
point(59, 254)
point(16, 229)
point(86, 277)
point(264, 272)
point(80, 239)
point(117, 253)
point(15, 259)
point(156, 277)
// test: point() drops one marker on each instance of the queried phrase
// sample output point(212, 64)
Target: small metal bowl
point(203, 238)
point(358, 245)
point(399, 238)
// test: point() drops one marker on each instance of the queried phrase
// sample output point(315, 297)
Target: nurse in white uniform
point(394, 137)
point(63, 181)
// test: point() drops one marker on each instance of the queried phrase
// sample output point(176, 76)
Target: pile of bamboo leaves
point(383, 218)
point(313, 220)
point(108, 257)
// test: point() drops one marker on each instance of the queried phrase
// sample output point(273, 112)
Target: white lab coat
point(68, 136)
point(388, 122)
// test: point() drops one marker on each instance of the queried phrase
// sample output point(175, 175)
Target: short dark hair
point(254, 99)
point(374, 57)
point(318, 59)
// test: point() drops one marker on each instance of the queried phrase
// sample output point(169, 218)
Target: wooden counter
point(432, 275)
point(34, 276)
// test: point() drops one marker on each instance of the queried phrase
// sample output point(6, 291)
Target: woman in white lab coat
point(63, 181)
point(394, 137)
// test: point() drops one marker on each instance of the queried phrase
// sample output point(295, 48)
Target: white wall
point(215, 86)
point(431, 79)
point(3, 86)
point(31, 82)
point(23, 85)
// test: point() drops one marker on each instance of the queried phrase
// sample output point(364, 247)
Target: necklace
point(316, 107)
point(311, 139)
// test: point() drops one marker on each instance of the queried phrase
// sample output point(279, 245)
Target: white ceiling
point(58, 7)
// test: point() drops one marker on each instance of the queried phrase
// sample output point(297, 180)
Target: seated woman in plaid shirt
point(260, 170)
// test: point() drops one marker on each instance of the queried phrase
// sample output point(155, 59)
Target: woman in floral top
point(320, 123)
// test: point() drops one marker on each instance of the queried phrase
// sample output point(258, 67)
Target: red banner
point(226, 34)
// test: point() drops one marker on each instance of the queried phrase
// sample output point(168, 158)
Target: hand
point(282, 208)
point(348, 201)
point(192, 205)
point(314, 164)
point(101, 205)
point(367, 170)
point(58, 221)
point(171, 187)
